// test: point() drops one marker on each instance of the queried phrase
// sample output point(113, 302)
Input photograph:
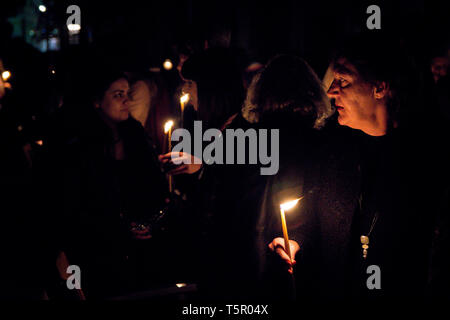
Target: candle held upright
point(283, 208)
point(183, 100)
point(168, 130)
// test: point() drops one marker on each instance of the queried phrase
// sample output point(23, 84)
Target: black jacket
point(360, 177)
point(99, 197)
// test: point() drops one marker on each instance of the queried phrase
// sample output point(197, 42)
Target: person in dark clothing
point(437, 85)
point(217, 90)
point(286, 96)
point(112, 189)
point(438, 92)
point(17, 204)
point(372, 205)
point(214, 83)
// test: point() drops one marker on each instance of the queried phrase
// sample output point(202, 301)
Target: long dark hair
point(84, 88)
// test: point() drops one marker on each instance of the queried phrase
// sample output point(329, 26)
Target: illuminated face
point(355, 99)
point(114, 105)
point(439, 68)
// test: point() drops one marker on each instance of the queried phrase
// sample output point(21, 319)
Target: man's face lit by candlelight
point(359, 103)
point(114, 105)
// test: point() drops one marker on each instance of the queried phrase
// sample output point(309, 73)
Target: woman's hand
point(277, 246)
point(180, 163)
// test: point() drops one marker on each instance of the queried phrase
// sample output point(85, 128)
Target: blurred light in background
point(155, 69)
point(75, 28)
point(42, 8)
point(54, 44)
point(168, 65)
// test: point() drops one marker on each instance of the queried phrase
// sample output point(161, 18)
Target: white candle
point(284, 207)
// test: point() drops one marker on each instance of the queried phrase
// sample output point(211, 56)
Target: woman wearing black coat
point(110, 187)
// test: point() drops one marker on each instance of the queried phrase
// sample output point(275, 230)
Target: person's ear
point(380, 90)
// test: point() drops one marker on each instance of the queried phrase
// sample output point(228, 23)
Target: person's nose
point(333, 91)
point(126, 101)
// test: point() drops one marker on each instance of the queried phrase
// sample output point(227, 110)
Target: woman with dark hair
point(237, 201)
point(112, 185)
point(287, 85)
point(286, 95)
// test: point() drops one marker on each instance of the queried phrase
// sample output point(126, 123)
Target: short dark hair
point(379, 58)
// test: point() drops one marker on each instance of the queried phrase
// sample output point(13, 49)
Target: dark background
point(137, 35)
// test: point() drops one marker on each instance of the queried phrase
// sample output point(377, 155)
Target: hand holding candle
point(284, 207)
point(284, 247)
point(168, 130)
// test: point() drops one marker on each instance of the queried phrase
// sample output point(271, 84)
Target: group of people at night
point(363, 149)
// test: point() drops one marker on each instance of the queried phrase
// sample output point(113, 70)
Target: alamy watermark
point(374, 280)
point(374, 20)
point(73, 22)
point(262, 146)
point(74, 280)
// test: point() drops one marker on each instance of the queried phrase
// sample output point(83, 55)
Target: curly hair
point(287, 83)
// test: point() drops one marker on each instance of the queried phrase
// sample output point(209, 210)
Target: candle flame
point(289, 205)
point(6, 75)
point(184, 98)
point(167, 126)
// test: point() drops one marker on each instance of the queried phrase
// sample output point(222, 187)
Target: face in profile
point(355, 99)
point(114, 105)
point(439, 68)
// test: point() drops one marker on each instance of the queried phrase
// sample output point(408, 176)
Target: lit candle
point(184, 98)
point(168, 130)
point(285, 207)
point(6, 75)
